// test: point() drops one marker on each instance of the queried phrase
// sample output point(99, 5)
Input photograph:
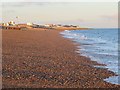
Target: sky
point(84, 14)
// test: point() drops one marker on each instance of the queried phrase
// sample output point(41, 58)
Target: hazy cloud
point(22, 4)
point(80, 20)
point(110, 17)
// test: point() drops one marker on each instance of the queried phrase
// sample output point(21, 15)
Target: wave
point(97, 42)
point(69, 34)
point(99, 45)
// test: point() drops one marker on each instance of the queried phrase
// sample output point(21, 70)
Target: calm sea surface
point(100, 45)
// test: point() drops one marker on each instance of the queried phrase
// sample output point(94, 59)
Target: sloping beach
point(44, 59)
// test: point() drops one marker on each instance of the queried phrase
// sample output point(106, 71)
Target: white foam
point(100, 49)
point(113, 80)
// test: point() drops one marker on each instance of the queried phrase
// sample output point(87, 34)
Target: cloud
point(76, 20)
point(22, 4)
point(110, 17)
point(80, 20)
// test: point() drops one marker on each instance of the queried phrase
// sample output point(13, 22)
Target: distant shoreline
point(11, 25)
point(59, 29)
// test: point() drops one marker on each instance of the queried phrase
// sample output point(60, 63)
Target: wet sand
point(44, 59)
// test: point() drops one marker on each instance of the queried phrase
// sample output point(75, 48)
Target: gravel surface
point(44, 59)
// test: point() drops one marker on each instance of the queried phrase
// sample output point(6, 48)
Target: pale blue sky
point(85, 14)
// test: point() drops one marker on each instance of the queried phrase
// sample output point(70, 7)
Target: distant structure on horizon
point(13, 25)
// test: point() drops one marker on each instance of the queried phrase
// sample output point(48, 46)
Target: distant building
point(11, 27)
point(29, 24)
point(78, 26)
point(49, 25)
point(11, 23)
point(66, 26)
point(5, 24)
point(24, 26)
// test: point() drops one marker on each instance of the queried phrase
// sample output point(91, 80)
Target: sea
point(101, 45)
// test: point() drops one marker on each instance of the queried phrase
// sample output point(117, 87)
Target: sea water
point(100, 45)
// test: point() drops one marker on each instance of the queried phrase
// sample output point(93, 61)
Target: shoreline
point(48, 60)
point(83, 52)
